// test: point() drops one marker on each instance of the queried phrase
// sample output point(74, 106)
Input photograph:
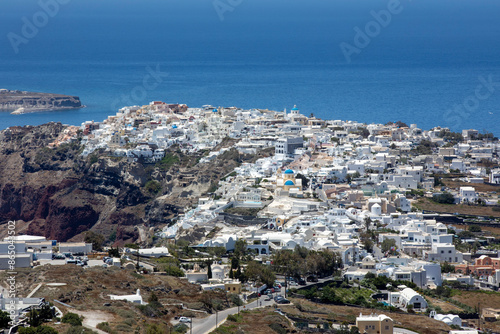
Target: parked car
point(302, 281)
point(278, 297)
point(184, 319)
point(71, 261)
point(283, 301)
point(312, 278)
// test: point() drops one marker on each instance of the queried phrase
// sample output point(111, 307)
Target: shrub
point(37, 330)
point(233, 318)
point(104, 326)
point(475, 228)
point(72, 318)
point(78, 330)
point(152, 187)
point(278, 328)
point(444, 198)
point(181, 328)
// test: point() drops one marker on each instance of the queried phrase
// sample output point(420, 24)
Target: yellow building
point(374, 324)
point(287, 181)
point(233, 287)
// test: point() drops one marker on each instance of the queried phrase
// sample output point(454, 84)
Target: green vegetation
point(243, 211)
point(93, 158)
point(37, 330)
point(451, 137)
point(257, 272)
point(4, 319)
point(444, 198)
point(179, 328)
point(305, 180)
point(447, 268)
point(153, 187)
point(153, 308)
point(104, 326)
point(399, 124)
point(170, 265)
point(388, 245)
point(36, 317)
point(302, 261)
point(168, 161)
point(424, 148)
point(96, 239)
point(343, 295)
point(380, 282)
point(475, 228)
point(72, 318)
point(79, 330)
point(438, 182)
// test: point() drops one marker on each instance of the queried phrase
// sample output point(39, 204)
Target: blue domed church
point(287, 184)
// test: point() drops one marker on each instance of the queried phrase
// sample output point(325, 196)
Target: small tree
point(4, 319)
point(96, 239)
point(209, 273)
point(475, 228)
point(72, 318)
point(388, 244)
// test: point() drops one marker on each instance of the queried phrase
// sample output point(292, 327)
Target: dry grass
point(255, 322)
point(472, 298)
point(463, 209)
point(495, 231)
point(418, 323)
point(89, 290)
point(486, 299)
point(480, 187)
point(445, 306)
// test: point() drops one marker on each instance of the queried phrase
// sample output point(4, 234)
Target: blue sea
point(426, 62)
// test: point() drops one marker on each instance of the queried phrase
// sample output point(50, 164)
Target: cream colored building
point(374, 324)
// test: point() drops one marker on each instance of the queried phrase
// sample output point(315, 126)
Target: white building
point(410, 297)
point(75, 247)
point(137, 298)
point(468, 194)
point(495, 176)
point(444, 252)
point(285, 147)
point(449, 319)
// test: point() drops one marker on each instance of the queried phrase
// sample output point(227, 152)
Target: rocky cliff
point(29, 101)
point(57, 193)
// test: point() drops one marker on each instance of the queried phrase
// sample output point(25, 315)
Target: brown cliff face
point(57, 193)
point(11, 100)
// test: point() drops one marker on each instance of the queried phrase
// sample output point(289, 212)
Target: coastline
point(22, 110)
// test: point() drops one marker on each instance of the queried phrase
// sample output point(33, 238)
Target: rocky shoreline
point(21, 102)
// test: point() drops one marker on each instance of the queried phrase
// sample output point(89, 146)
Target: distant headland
point(21, 102)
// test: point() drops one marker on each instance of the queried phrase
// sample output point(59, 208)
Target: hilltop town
point(378, 217)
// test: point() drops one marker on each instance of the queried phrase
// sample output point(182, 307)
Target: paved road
point(206, 325)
